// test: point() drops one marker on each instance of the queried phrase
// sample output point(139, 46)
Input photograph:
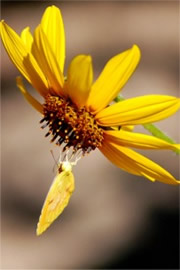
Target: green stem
point(119, 98)
point(159, 134)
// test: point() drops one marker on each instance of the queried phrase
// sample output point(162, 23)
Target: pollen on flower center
point(71, 126)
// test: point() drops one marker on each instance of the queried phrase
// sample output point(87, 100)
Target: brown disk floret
point(73, 126)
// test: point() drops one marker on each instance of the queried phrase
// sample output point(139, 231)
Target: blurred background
point(114, 219)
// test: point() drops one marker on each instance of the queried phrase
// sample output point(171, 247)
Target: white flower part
point(68, 159)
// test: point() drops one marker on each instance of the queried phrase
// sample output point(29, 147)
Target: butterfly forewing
point(56, 200)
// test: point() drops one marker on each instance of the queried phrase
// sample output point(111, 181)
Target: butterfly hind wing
point(56, 200)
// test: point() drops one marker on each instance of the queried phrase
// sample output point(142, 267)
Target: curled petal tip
point(136, 50)
point(135, 46)
point(89, 58)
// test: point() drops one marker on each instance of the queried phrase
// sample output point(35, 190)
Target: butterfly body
point(57, 197)
point(65, 166)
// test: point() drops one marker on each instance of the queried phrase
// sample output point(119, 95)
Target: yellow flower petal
point(53, 27)
point(130, 160)
point(127, 128)
point(139, 110)
point(27, 38)
point(46, 58)
point(110, 152)
point(79, 79)
point(115, 74)
point(22, 59)
point(27, 96)
point(138, 140)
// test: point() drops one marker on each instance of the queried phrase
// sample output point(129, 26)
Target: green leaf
point(153, 129)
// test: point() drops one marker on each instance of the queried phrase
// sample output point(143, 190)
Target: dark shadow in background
point(160, 250)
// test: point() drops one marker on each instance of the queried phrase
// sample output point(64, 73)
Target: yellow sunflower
point(76, 110)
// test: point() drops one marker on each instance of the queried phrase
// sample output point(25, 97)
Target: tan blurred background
point(114, 220)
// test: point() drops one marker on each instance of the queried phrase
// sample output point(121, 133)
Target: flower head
point(76, 111)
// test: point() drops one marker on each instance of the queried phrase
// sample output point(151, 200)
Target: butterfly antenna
point(54, 157)
point(56, 163)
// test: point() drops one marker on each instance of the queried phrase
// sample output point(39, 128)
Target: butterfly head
point(66, 166)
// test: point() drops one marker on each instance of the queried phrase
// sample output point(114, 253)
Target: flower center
point(71, 126)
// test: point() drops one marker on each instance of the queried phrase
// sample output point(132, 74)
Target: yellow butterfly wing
point(56, 200)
